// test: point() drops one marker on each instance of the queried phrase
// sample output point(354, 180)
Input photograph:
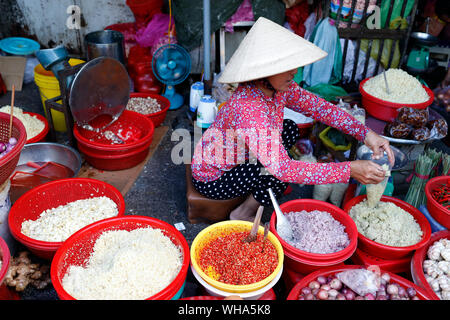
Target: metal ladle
point(386, 83)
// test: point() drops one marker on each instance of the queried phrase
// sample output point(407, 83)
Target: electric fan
point(171, 65)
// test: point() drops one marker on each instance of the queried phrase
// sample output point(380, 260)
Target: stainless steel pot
point(105, 43)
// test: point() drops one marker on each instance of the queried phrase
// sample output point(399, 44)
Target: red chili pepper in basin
point(237, 262)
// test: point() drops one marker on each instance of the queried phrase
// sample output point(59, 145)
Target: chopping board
point(123, 180)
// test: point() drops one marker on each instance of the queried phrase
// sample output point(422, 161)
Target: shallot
point(6, 147)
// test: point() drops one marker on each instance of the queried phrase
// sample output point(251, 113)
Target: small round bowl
point(295, 292)
point(41, 136)
point(437, 211)
point(386, 110)
point(389, 252)
point(51, 195)
point(156, 117)
point(78, 247)
point(225, 227)
point(419, 257)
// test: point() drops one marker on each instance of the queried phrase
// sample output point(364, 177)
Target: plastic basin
point(419, 257)
point(437, 211)
point(305, 262)
point(156, 117)
point(51, 195)
point(41, 136)
point(225, 227)
point(295, 292)
point(389, 252)
point(386, 110)
point(78, 247)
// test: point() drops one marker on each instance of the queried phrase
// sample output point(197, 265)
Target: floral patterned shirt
point(252, 119)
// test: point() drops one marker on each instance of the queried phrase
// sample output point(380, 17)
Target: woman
point(264, 66)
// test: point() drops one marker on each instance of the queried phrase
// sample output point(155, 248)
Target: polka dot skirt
point(249, 178)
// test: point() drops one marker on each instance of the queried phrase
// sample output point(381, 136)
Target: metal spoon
point(283, 226)
point(386, 83)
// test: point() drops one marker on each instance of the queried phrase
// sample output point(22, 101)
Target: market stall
point(93, 204)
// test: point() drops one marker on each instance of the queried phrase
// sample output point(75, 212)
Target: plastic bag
point(414, 117)
point(243, 13)
point(156, 28)
point(337, 194)
point(350, 61)
point(421, 134)
point(438, 128)
point(328, 69)
point(361, 281)
point(376, 191)
point(398, 130)
point(322, 191)
point(327, 91)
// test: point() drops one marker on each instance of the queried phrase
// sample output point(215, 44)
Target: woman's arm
point(323, 111)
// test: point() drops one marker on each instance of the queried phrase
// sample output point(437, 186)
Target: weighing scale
point(419, 57)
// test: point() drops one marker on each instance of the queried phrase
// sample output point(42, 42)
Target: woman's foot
point(246, 211)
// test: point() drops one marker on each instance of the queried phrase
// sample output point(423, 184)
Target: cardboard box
point(12, 69)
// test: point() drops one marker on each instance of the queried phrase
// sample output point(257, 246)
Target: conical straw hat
point(266, 50)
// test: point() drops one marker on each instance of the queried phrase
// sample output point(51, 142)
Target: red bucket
point(295, 292)
point(389, 252)
point(386, 110)
point(305, 262)
point(51, 195)
point(437, 211)
point(78, 247)
point(417, 273)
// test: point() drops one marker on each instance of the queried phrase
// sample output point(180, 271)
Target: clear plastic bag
point(414, 117)
point(361, 281)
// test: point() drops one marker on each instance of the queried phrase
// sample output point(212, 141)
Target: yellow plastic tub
point(48, 86)
point(215, 230)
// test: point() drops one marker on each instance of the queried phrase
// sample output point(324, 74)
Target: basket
point(437, 211)
point(389, 252)
point(9, 162)
point(295, 292)
point(78, 247)
point(157, 117)
point(386, 110)
point(51, 195)
point(41, 136)
point(226, 227)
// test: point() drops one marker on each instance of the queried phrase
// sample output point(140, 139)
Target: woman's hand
point(366, 171)
point(378, 145)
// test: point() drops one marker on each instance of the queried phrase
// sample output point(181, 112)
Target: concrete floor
point(159, 191)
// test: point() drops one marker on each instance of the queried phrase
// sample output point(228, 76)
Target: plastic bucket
point(389, 252)
point(78, 247)
point(304, 262)
point(48, 86)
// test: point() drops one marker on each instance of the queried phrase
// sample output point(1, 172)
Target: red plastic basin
point(386, 110)
point(389, 252)
point(51, 195)
point(437, 211)
point(402, 265)
point(157, 117)
point(77, 249)
point(295, 292)
point(303, 261)
point(43, 134)
point(419, 257)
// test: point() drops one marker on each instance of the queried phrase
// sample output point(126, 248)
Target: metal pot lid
point(424, 39)
point(101, 87)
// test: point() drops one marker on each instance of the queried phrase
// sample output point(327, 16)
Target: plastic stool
point(203, 209)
